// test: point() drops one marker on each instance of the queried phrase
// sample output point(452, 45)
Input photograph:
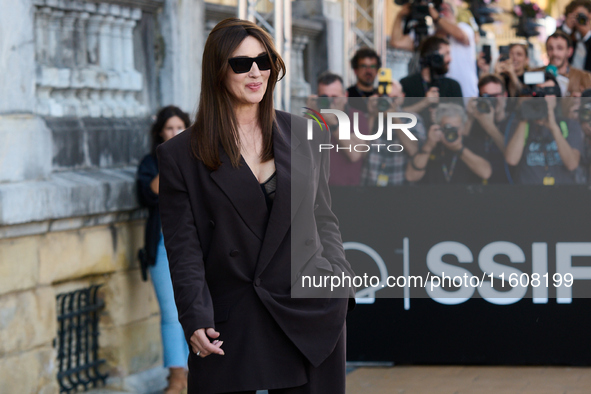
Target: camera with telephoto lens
point(582, 19)
point(435, 62)
point(324, 102)
point(416, 19)
point(585, 112)
point(450, 133)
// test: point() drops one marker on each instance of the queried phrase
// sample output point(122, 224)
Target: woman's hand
point(201, 345)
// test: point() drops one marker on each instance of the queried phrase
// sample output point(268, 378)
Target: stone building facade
point(80, 81)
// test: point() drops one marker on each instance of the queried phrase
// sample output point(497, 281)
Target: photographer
point(578, 26)
point(545, 148)
point(486, 119)
point(383, 168)
point(365, 64)
point(559, 47)
point(512, 69)
point(449, 155)
point(346, 163)
point(430, 83)
point(462, 66)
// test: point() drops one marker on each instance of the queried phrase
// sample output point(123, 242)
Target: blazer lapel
point(240, 186)
point(293, 172)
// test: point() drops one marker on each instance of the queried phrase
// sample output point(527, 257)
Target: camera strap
point(448, 174)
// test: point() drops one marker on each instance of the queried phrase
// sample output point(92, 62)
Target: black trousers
point(328, 377)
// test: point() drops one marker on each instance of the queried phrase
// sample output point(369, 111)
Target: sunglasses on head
point(242, 65)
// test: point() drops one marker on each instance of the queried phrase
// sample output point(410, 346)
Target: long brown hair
point(216, 122)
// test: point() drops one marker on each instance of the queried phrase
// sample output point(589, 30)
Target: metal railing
point(77, 340)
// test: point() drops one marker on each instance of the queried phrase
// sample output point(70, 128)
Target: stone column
point(80, 40)
point(54, 33)
point(116, 38)
point(93, 38)
point(41, 38)
point(299, 86)
point(67, 39)
point(127, 35)
point(105, 37)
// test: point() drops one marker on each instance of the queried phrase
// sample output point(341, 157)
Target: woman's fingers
point(201, 344)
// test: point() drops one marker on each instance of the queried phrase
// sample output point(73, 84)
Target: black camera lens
point(483, 106)
point(384, 104)
point(324, 102)
point(582, 19)
point(450, 133)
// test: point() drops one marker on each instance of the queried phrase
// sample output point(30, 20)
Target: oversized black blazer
point(224, 248)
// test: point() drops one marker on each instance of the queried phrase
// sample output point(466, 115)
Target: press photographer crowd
point(481, 119)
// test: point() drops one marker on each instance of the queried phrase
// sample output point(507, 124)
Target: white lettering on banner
point(487, 264)
point(437, 266)
point(461, 283)
point(565, 251)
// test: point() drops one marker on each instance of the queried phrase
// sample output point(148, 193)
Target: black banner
point(472, 230)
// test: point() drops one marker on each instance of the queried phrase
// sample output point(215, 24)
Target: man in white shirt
point(578, 26)
point(462, 47)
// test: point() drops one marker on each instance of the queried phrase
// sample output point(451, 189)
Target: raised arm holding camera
point(513, 62)
point(431, 83)
point(449, 155)
point(544, 147)
point(486, 118)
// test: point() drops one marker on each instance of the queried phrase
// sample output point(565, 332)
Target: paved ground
point(469, 380)
point(423, 380)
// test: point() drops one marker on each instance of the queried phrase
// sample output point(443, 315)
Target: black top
point(269, 186)
point(445, 166)
point(415, 89)
point(354, 91)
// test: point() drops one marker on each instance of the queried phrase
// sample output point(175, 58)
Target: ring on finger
point(198, 353)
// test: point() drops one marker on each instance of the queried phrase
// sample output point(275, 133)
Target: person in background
point(365, 64)
point(512, 69)
point(449, 156)
point(462, 44)
point(487, 121)
point(577, 25)
point(559, 47)
point(170, 121)
point(424, 90)
point(546, 151)
point(346, 163)
point(382, 167)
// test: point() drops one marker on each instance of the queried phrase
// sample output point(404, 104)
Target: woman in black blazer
point(245, 210)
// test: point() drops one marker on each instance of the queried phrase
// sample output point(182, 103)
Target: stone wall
point(81, 80)
point(35, 268)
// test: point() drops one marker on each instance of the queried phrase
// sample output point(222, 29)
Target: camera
point(450, 133)
point(582, 19)
point(384, 87)
point(324, 102)
point(484, 104)
point(503, 53)
point(435, 63)
point(416, 20)
point(534, 110)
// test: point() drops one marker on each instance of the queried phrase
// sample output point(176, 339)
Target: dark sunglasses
point(242, 65)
